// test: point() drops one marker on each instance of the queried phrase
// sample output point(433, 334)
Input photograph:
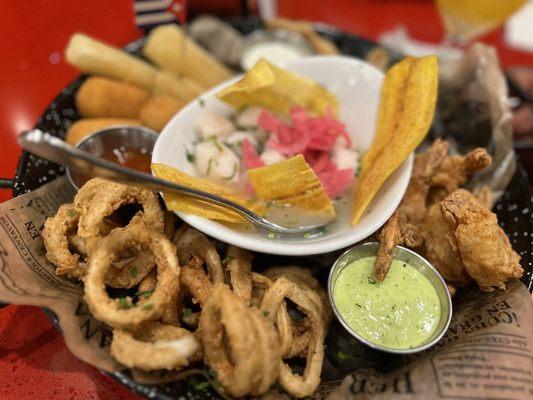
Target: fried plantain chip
point(191, 205)
point(279, 91)
point(291, 182)
point(406, 109)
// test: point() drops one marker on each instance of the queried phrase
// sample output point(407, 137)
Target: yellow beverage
point(469, 18)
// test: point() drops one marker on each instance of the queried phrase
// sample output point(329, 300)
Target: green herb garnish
point(124, 303)
point(203, 385)
point(343, 356)
point(202, 102)
point(269, 204)
point(146, 294)
point(134, 272)
point(190, 156)
point(187, 312)
point(148, 306)
point(71, 214)
point(228, 259)
point(209, 165)
point(266, 313)
point(214, 139)
point(371, 280)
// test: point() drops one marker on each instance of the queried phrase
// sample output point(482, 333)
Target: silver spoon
point(54, 149)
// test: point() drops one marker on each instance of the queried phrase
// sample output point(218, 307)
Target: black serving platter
point(514, 211)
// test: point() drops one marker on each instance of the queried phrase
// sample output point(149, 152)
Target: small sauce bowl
point(129, 146)
point(416, 261)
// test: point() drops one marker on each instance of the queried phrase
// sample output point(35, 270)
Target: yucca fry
point(85, 126)
point(97, 58)
point(168, 47)
point(108, 98)
point(158, 110)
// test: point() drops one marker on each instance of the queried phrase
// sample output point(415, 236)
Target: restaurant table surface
point(34, 361)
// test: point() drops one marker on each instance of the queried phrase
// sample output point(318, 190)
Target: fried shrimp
point(154, 346)
point(123, 313)
point(56, 233)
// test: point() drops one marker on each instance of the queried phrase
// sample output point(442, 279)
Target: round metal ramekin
point(131, 137)
point(418, 262)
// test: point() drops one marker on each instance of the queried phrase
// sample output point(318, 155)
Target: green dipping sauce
point(401, 312)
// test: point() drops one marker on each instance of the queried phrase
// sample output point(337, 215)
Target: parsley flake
point(146, 294)
point(228, 259)
point(202, 102)
point(187, 312)
point(134, 272)
point(371, 280)
point(266, 313)
point(343, 356)
point(71, 214)
point(124, 303)
point(148, 306)
point(190, 156)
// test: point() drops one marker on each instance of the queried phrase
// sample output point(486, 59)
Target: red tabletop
point(34, 362)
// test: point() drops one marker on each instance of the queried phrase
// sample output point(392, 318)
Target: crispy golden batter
point(418, 221)
point(484, 248)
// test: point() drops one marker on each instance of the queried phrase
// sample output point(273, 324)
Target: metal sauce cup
point(419, 263)
point(130, 137)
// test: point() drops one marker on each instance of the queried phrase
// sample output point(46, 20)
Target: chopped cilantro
point(190, 156)
point(371, 280)
point(358, 305)
point(343, 356)
point(209, 165)
point(228, 259)
point(358, 170)
point(198, 385)
point(146, 294)
point(187, 312)
point(266, 313)
point(124, 303)
point(214, 139)
point(202, 385)
point(202, 102)
point(134, 272)
point(148, 306)
point(71, 214)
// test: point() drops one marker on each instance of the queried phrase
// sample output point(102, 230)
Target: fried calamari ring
point(154, 346)
point(296, 385)
point(55, 234)
point(190, 242)
point(92, 224)
point(195, 280)
point(239, 265)
point(240, 364)
point(305, 279)
point(268, 347)
point(120, 313)
point(260, 284)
